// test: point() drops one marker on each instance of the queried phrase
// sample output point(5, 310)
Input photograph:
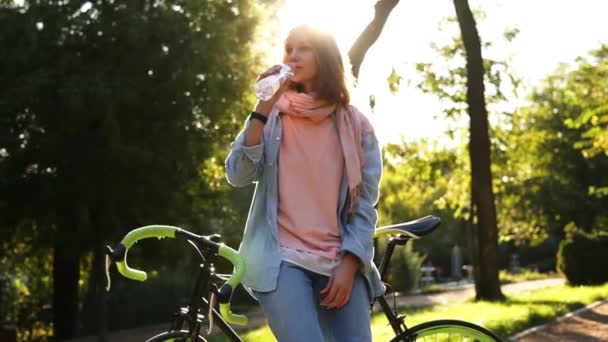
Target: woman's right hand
point(264, 107)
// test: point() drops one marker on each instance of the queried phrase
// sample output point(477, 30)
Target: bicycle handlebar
point(239, 271)
point(119, 255)
point(130, 239)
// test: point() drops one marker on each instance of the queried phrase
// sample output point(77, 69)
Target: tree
point(367, 38)
point(113, 109)
point(559, 171)
point(487, 284)
point(594, 116)
point(420, 178)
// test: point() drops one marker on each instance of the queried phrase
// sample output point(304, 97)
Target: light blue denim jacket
point(260, 245)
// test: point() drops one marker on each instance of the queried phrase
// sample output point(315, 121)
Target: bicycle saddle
point(412, 229)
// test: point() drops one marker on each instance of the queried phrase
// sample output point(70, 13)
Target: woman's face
point(300, 55)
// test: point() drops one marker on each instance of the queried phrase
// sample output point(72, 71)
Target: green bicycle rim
point(449, 331)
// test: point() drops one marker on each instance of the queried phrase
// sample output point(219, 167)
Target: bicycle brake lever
point(108, 262)
point(212, 301)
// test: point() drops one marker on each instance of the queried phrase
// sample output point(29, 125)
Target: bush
point(581, 257)
point(25, 290)
point(132, 303)
point(404, 269)
point(524, 275)
point(541, 257)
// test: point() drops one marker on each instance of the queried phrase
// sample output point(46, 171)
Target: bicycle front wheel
point(174, 336)
point(447, 330)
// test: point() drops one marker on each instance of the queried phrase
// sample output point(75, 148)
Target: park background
point(119, 114)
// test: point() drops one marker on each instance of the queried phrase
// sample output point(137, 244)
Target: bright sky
point(551, 31)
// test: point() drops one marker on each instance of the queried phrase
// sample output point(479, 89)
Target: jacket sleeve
point(244, 163)
point(358, 237)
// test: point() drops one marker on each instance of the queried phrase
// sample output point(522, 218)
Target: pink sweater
point(311, 167)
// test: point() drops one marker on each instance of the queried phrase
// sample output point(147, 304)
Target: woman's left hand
point(337, 292)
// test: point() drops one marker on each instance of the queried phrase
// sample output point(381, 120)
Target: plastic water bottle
point(268, 86)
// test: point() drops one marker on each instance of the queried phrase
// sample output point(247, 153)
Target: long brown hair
point(330, 82)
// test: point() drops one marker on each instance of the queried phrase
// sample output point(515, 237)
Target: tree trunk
point(66, 273)
point(68, 247)
point(471, 236)
point(106, 221)
point(370, 34)
point(487, 285)
point(99, 290)
point(95, 306)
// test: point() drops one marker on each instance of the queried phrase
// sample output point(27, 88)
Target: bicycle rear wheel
point(447, 330)
point(174, 336)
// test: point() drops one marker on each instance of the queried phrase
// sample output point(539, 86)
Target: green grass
point(525, 275)
point(517, 313)
point(432, 289)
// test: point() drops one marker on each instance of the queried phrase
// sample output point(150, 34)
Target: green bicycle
point(189, 322)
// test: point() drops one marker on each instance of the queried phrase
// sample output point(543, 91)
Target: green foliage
point(447, 81)
point(114, 112)
point(25, 286)
point(588, 85)
point(372, 101)
point(534, 256)
point(135, 304)
point(541, 180)
point(549, 166)
point(524, 275)
point(581, 257)
point(163, 87)
point(420, 179)
point(394, 81)
point(404, 271)
point(547, 181)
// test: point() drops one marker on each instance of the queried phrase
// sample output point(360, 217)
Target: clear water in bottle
point(268, 86)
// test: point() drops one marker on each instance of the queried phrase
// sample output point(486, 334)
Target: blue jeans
point(294, 312)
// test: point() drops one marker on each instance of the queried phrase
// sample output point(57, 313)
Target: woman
point(308, 238)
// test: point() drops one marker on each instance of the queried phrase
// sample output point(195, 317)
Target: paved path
point(587, 325)
point(465, 292)
point(454, 294)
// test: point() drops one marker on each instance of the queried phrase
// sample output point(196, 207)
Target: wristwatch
point(258, 116)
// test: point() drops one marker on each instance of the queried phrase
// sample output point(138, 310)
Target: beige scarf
point(350, 123)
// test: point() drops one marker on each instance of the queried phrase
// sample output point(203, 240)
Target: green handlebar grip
point(148, 232)
point(232, 318)
point(239, 271)
point(138, 234)
point(130, 273)
point(237, 261)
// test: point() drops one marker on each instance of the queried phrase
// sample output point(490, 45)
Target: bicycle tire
point(447, 330)
point(174, 336)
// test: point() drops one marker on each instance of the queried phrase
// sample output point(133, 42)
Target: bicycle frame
point(194, 314)
point(210, 248)
point(190, 314)
point(396, 321)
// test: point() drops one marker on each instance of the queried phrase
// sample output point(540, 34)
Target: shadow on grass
point(532, 313)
